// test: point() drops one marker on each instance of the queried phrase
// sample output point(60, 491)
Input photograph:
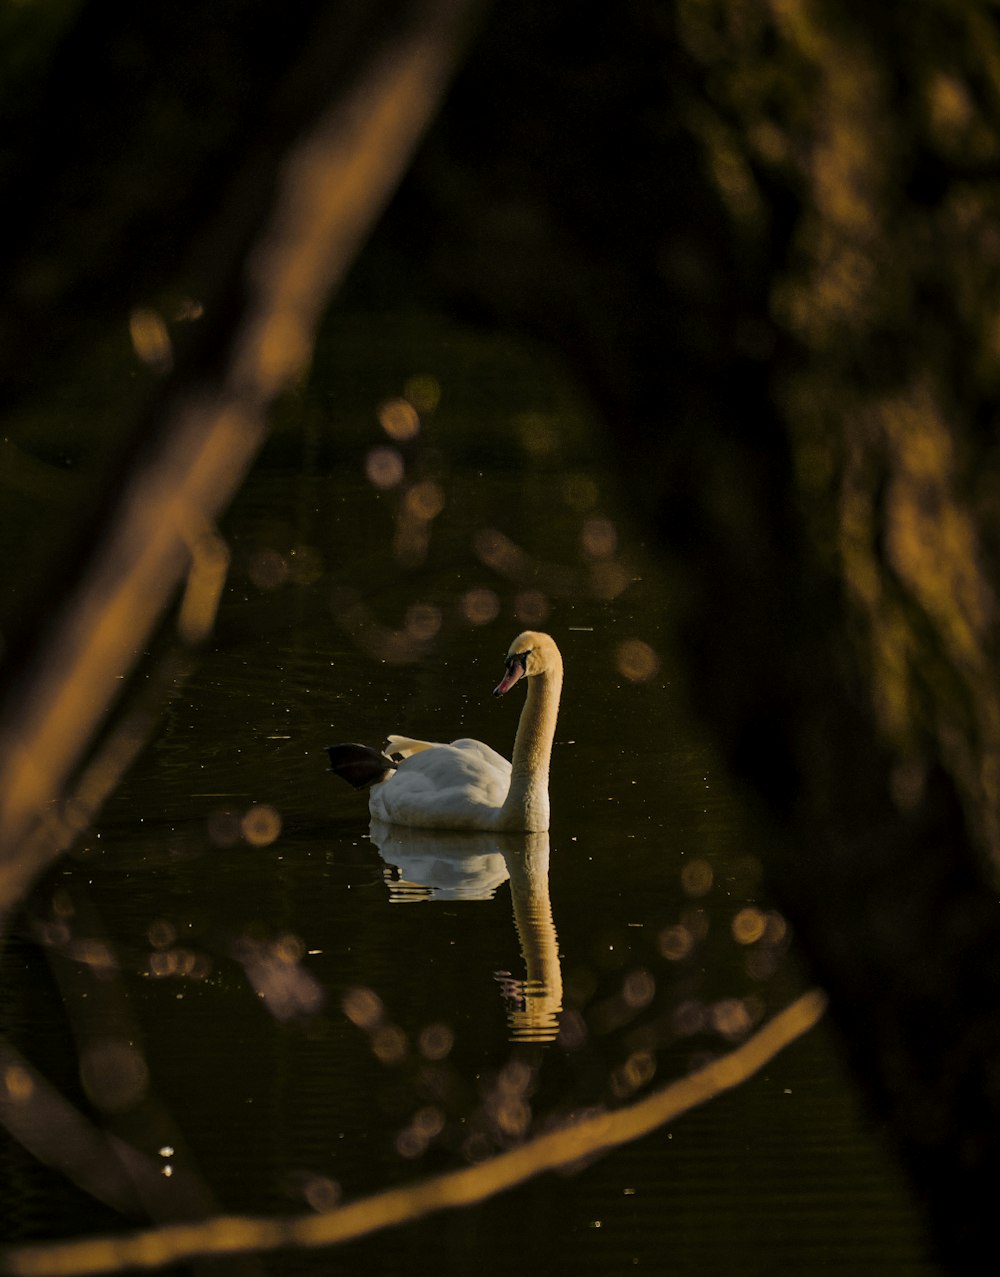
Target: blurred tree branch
point(588, 1137)
point(110, 1159)
point(341, 151)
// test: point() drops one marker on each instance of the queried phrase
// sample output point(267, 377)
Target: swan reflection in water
point(436, 865)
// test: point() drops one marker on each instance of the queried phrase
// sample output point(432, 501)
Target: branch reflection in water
point(469, 866)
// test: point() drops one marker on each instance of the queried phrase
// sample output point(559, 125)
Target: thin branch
point(334, 184)
point(229, 1235)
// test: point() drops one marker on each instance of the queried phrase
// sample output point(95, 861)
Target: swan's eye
point(519, 658)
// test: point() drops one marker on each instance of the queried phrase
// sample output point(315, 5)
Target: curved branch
point(228, 1235)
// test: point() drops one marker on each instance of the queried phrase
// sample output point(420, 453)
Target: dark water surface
point(296, 1017)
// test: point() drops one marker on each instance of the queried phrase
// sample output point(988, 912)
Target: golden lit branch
point(334, 184)
point(226, 1235)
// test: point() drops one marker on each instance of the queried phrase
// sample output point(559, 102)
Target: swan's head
point(530, 654)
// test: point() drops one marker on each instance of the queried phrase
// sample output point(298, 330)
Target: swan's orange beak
point(515, 670)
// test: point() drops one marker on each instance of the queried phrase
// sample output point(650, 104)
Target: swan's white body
point(461, 785)
point(467, 785)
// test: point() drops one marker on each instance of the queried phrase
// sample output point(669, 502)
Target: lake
point(283, 1009)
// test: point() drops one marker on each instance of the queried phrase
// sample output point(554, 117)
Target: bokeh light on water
point(384, 467)
point(150, 338)
point(399, 419)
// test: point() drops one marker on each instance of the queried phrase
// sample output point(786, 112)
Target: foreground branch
point(228, 1235)
point(333, 185)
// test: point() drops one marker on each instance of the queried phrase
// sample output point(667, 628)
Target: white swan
point(467, 785)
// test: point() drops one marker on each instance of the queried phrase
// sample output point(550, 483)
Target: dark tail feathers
point(359, 765)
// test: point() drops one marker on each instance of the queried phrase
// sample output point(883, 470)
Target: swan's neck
point(527, 803)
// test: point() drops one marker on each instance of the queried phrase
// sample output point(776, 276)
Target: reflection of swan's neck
point(527, 802)
point(538, 1017)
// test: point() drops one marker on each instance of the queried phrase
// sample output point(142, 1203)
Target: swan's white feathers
point(404, 746)
point(457, 786)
